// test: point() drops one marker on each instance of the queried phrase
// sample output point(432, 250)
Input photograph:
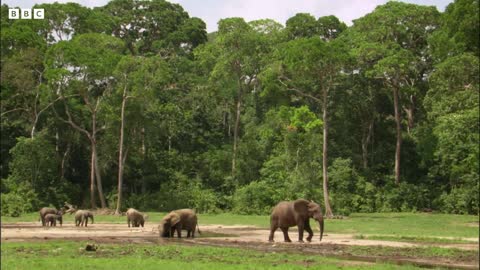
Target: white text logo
point(15, 13)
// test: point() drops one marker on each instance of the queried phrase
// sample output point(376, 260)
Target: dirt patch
point(248, 237)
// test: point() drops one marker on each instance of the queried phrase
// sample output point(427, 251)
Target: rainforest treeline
point(134, 104)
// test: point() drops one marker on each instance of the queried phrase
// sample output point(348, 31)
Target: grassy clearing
point(416, 239)
point(392, 224)
point(415, 252)
point(71, 255)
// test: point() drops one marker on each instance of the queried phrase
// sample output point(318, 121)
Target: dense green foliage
point(236, 120)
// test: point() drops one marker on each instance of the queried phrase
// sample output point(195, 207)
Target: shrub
point(22, 200)
point(254, 199)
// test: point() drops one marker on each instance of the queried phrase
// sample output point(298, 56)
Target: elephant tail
point(198, 229)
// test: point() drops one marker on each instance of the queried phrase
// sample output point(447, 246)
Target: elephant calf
point(135, 217)
point(296, 213)
point(178, 220)
point(51, 219)
point(45, 211)
point(81, 217)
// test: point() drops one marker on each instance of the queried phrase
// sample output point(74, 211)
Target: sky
point(211, 11)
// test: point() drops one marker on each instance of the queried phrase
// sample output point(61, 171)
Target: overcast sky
point(211, 11)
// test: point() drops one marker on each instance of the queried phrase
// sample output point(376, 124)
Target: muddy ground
point(333, 245)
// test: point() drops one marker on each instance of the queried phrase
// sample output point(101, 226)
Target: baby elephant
point(135, 217)
point(45, 211)
point(178, 220)
point(81, 217)
point(51, 219)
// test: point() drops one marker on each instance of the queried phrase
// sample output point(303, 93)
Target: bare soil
point(332, 245)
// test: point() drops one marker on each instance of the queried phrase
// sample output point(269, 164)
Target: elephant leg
point(179, 232)
point(285, 234)
point(273, 228)
point(300, 231)
point(128, 221)
point(188, 234)
point(309, 230)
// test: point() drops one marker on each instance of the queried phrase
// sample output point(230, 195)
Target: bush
point(15, 203)
point(460, 201)
point(402, 198)
point(254, 199)
point(180, 192)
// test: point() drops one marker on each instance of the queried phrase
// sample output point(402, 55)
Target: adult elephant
point(297, 213)
point(45, 211)
point(178, 220)
point(135, 217)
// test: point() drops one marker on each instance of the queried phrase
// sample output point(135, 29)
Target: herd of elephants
point(284, 215)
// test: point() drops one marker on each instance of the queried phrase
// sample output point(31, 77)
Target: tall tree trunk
point(144, 155)
point(410, 119)
point(34, 125)
point(103, 203)
point(366, 136)
point(120, 154)
point(328, 209)
point(399, 133)
point(95, 159)
point(93, 204)
point(235, 134)
point(64, 160)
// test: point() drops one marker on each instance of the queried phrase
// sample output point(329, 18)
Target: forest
point(134, 104)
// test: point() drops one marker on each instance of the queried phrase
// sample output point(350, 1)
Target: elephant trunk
point(320, 223)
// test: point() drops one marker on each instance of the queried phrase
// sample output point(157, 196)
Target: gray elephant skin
point(82, 216)
point(51, 219)
point(178, 220)
point(48, 210)
point(287, 214)
point(135, 217)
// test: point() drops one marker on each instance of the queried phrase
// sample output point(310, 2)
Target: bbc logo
point(15, 13)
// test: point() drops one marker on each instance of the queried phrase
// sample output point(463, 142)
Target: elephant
point(44, 211)
point(135, 217)
point(81, 217)
point(297, 213)
point(178, 220)
point(51, 219)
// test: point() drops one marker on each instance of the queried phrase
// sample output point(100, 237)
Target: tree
point(310, 68)
point(137, 77)
point(392, 44)
point(330, 27)
point(302, 25)
point(154, 26)
point(236, 67)
point(82, 67)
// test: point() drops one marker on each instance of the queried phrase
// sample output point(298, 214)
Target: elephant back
point(47, 210)
point(188, 218)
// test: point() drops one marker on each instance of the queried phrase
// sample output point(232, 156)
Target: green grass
point(391, 224)
point(71, 255)
point(415, 252)
point(415, 239)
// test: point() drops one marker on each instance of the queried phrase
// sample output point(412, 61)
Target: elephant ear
point(301, 207)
